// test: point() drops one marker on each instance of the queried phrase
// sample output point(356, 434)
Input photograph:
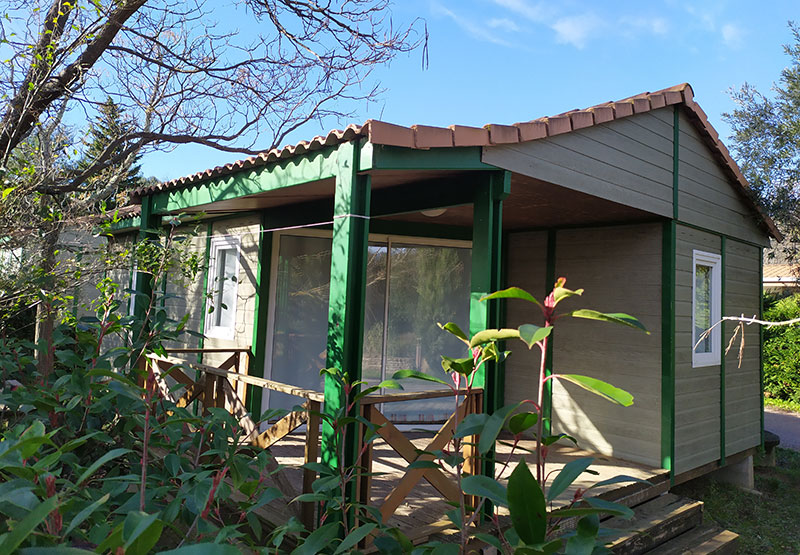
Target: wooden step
point(703, 540)
point(655, 522)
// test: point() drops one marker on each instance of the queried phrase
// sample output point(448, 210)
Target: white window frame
point(713, 261)
point(219, 244)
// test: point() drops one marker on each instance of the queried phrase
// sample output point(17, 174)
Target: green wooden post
point(487, 233)
point(347, 297)
point(148, 231)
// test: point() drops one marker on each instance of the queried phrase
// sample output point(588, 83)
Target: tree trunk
point(46, 311)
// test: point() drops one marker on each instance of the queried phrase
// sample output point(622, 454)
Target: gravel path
point(786, 425)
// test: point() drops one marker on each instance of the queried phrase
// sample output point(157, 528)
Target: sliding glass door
point(411, 287)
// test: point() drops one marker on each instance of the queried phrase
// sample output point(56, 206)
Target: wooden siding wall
point(186, 295)
point(527, 265)
point(697, 397)
point(706, 197)
point(742, 384)
point(628, 161)
point(620, 270)
point(247, 229)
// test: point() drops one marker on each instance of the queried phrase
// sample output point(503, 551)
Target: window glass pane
point(374, 314)
point(427, 285)
point(702, 307)
point(225, 297)
point(301, 315)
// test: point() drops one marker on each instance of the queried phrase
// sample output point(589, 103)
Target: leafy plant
point(782, 350)
point(534, 524)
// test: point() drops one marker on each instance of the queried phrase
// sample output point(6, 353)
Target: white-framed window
point(223, 284)
point(706, 308)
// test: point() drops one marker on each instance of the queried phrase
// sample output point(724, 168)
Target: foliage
point(536, 526)
point(766, 141)
point(791, 406)
point(781, 350)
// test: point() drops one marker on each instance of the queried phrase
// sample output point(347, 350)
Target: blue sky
point(504, 61)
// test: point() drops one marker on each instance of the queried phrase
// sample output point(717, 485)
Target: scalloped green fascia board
point(313, 166)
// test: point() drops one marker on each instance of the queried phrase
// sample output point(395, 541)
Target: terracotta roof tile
point(469, 136)
point(557, 125)
point(382, 133)
point(423, 136)
point(531, 130)
point(503, 134)
point(426, 136)
point(641, 105)
point(657, 101)
point(581, 119)
point(623, 109)
point(602, 114)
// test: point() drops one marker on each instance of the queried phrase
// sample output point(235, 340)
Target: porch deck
point(415, 501)
point(423, 511)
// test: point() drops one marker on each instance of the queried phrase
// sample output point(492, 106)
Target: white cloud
point(538, 12)
point(652, 25)
point(578, 29)
point(732, 35)
point(476, 30)
point(503, 24)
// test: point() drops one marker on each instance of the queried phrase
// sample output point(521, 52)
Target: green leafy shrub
point(782, 349)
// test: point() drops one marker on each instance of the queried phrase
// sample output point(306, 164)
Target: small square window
point(223, 276)
point(706, 308)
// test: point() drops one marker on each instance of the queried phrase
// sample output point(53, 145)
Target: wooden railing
point(220, 387)
point(470, 402)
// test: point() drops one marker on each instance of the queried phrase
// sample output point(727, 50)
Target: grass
point(792, 406)
point(768, 523)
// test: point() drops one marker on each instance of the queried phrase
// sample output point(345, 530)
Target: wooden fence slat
point(392, 501)
point(281, 429)
point(401, 444)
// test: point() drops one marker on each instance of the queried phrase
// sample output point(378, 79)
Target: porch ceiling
point(539, 204)
point(531, 204)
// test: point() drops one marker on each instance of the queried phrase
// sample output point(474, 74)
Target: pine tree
point(110, 186)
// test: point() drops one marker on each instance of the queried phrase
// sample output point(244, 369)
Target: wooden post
point(209, 392)
point(346, 300)
point(365, 462)
point(307, 512)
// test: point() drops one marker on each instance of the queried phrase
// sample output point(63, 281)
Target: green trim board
point(718, 234)
point(676, 134)
point(549, 281)
point(415, 229)
point(261, 317)
point(668, 252)
point(313, 166)
point(722, 421)
point(128, 224)
point(346, 300)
